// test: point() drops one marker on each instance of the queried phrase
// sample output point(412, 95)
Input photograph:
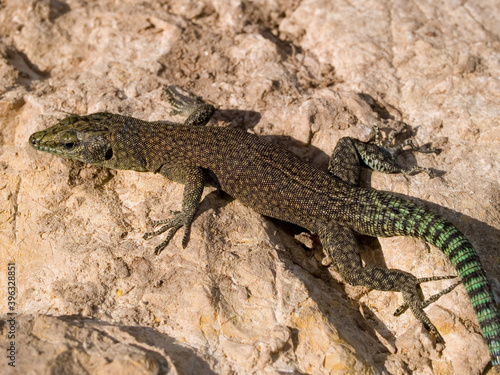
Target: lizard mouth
point(37, 142)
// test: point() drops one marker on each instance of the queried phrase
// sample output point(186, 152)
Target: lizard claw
point(197, 111)
point(155, 223)
point(401, 309)
point(181, 105)
point(390, 143)
point(416, 305)
point(413, 302)
point(385, 159)
point(172, 225)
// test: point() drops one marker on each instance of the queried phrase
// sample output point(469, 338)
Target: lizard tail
point(402, 217)
point(459, 250)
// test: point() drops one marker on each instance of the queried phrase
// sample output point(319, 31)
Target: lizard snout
point(35, 139)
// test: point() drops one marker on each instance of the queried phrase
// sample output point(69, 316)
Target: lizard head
point(84, 138)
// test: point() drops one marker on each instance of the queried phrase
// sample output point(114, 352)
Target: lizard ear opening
point(109, 154)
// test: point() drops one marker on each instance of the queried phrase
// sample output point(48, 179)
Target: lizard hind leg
point(340, 246)
point(381, 156)
point(198, 112)
point(350, 154)
point(345, 163)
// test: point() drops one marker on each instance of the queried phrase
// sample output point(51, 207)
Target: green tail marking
point(437, 231)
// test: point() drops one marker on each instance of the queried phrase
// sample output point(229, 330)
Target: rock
point(248, 294)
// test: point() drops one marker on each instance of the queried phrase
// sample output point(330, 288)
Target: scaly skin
point(276, 183)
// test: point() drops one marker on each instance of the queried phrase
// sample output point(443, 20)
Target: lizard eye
point(69, 146)
point(109, 154)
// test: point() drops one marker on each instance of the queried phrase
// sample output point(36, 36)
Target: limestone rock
point(248, 294)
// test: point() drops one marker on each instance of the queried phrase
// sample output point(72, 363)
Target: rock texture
point(248, 294)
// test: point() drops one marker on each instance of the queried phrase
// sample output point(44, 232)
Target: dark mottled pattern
point(277, 183)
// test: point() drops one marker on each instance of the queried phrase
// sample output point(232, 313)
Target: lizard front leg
point(194, 180)
point(198, 113)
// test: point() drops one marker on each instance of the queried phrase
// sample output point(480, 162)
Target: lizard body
point(277, 183)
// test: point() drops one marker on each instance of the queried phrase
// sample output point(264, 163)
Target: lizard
point(277, 183)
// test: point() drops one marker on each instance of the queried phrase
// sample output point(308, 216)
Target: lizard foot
point(172, 224)
point(197, 111)
point(390, 150)
point(401, 309)
point(416, 305)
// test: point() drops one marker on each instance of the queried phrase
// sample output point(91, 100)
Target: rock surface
point(248, 294)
